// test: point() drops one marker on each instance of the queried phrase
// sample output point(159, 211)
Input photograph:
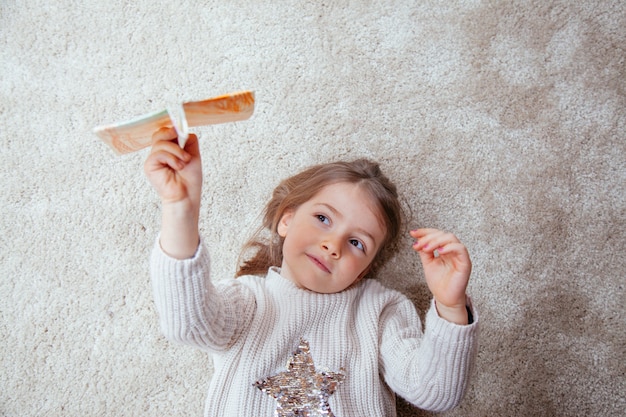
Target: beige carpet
point(503, 121)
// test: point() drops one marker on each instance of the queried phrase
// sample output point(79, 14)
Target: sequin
point(301, 390)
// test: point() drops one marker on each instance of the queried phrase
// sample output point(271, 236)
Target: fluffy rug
point(503, 121)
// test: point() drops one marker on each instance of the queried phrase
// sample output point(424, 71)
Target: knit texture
point(501, 121)
point(252, 325)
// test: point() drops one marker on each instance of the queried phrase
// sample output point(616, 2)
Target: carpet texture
point(503, 121)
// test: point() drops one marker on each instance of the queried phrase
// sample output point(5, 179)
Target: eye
point(357, 244)
point(323, 219)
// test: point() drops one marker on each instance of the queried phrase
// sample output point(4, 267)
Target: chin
point(317, 289)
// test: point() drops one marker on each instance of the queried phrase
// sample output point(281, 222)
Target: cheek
point(293, 241)
point(287, 245)
point(357, 263)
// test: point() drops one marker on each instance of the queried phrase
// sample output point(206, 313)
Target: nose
point(332, 247)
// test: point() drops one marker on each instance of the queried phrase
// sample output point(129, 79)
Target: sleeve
point(431, 369)
point(191, 309)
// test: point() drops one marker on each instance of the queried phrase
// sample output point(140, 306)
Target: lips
point(319, 263)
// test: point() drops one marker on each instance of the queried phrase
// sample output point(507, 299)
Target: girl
point(301, 332)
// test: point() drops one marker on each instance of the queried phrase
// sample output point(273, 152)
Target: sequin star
point(301, 390)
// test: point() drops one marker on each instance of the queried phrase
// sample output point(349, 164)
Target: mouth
point(319, 263)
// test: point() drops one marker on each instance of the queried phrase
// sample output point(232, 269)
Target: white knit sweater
point(252, 326)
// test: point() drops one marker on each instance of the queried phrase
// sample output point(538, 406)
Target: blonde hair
point(264, 249)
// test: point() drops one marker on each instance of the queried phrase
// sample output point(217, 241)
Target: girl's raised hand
point(175, 173)
point(447, 272)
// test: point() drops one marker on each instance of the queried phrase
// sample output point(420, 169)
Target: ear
point(283, 224)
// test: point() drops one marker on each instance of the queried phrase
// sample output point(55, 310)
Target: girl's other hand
point(175, 173)
point(447, 268)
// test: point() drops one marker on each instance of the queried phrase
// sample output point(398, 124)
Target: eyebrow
point(358, 229)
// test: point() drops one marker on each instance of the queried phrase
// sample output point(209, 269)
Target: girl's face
point(331, 240)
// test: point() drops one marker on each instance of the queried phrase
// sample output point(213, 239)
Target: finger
point(436, 239)
point(457, 250)
point(458, 256)
point(160, 159)
point(192, 147)
point(171, 147)
point(425, 256)
point(418, 233)
point(164, 133)
point(424, 236)
point(431, 241)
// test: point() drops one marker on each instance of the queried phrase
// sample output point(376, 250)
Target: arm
point(191, 309)
point(431, 370)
